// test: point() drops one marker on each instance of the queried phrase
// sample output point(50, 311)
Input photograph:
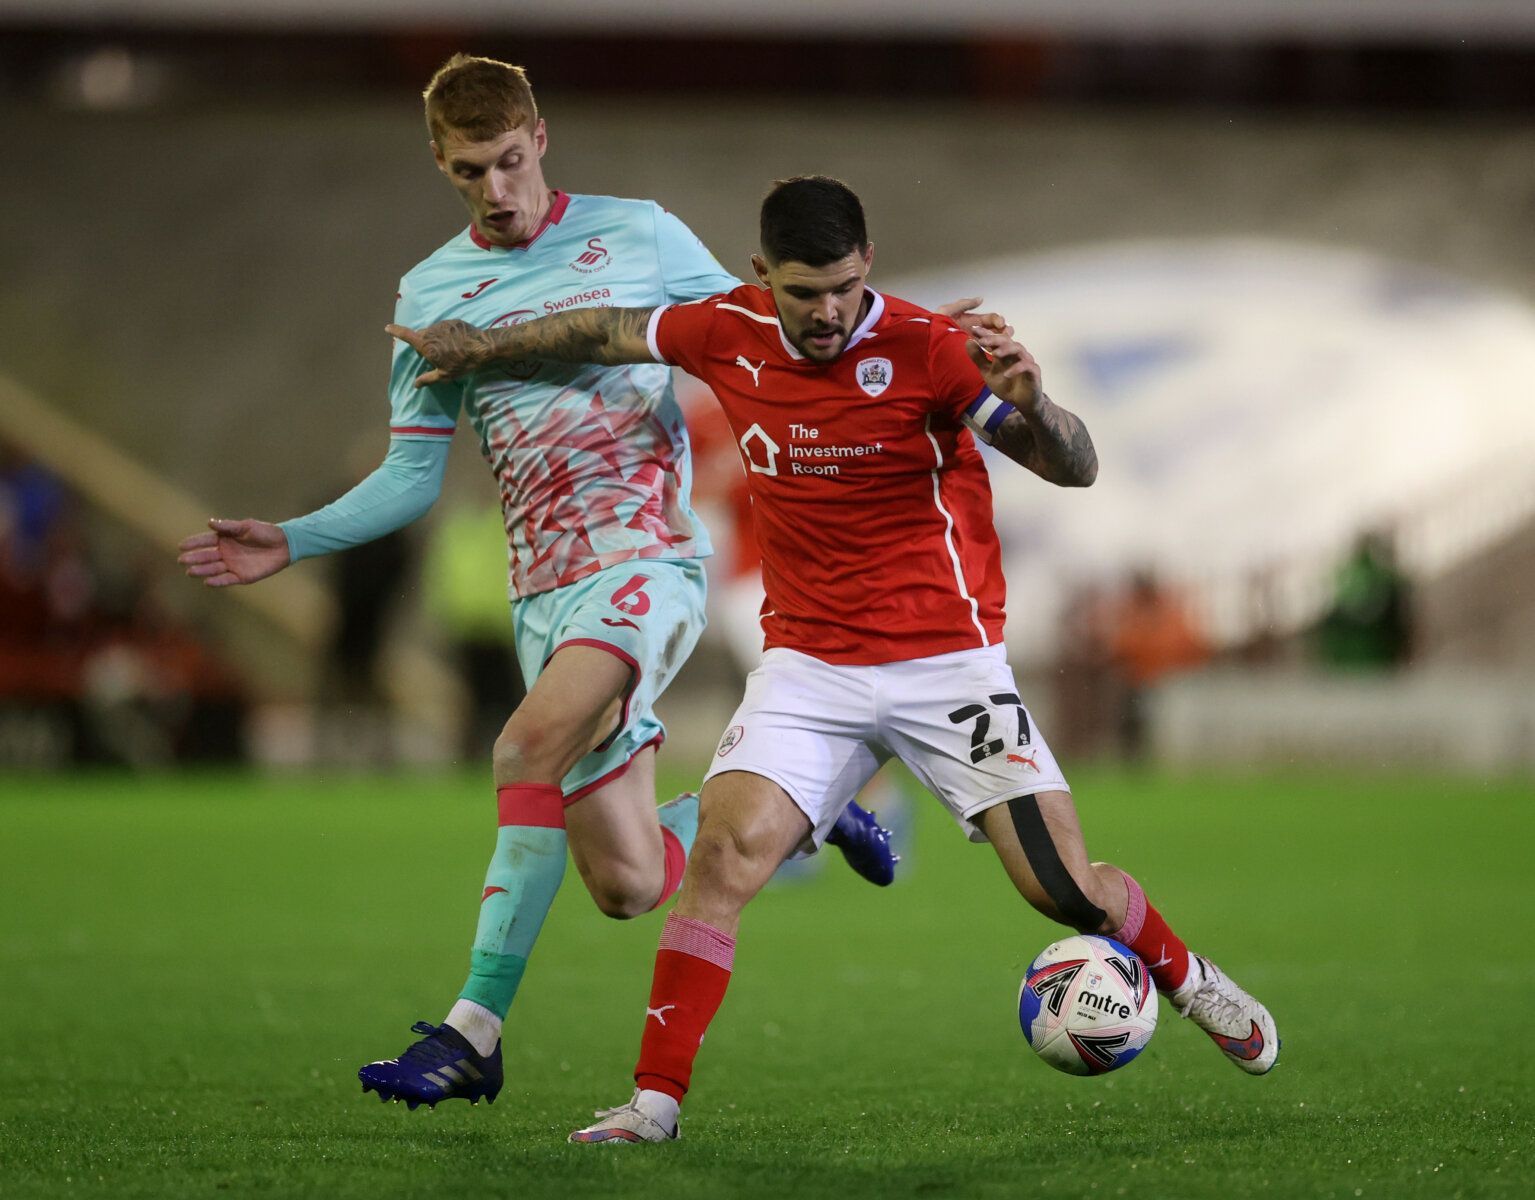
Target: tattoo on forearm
point(1051, 442)
point(583, 335)
point(595, 335)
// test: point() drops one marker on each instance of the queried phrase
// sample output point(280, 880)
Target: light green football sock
point(525, 873)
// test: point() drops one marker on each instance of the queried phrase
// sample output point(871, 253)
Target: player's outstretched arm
point(234, 552)
point(583, 335)
point(1040, 435)
point(402, 489)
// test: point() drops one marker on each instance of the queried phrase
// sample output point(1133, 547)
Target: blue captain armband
point(985, 415)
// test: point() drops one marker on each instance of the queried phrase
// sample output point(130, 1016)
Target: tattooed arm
point(1051, 442)
point(1040, 435)
point(582, 335)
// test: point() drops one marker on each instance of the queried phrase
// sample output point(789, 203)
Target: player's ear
point(540, 137)
point(759, 265)
point(442, 163)
point(868, 258)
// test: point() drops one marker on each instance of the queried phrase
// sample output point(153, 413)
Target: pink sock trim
point(1135, 913)
point(701, 940)
point(540, 804)
point(675, 859)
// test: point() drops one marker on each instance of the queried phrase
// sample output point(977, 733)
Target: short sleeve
point(429, 412)
point(679, 335)
point(688, 270)
point(957, 382)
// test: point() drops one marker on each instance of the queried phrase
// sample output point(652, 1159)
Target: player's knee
point(623, 898)
point(718, 862)
point(527, 753)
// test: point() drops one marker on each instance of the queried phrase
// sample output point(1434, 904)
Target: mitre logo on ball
point(874, 375)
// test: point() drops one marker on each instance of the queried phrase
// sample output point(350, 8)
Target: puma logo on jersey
point(756, 371)
point(657, 1013)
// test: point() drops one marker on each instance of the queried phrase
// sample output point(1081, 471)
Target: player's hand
point(1010, 370)
point(454, 348)
point(234, 552)
point(963, 314)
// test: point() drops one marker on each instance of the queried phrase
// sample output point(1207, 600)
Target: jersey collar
point(865, 327)
point(552, 217)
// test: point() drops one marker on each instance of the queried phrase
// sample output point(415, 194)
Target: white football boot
point(1236, 1022)
point(648, 1117)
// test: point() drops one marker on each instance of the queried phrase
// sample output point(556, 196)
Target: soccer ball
point(1087, 1005)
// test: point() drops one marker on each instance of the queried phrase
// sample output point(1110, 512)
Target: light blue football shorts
point(647, 612)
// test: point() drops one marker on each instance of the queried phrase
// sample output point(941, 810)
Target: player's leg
point(571, 707)
point(959, 724)
point(629, 853)
point(863, 831)
point(1039, 841)
point(799, 751)
point(598, 652)
point(748, 827)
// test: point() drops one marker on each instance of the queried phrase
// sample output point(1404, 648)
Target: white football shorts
point(821, 730)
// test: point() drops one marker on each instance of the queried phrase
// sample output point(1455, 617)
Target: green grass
point(192, 968)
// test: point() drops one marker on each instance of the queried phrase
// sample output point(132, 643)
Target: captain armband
point(985, 414)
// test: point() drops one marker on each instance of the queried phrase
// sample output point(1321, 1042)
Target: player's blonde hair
point(478, 99)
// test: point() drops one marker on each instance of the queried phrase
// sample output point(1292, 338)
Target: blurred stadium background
point(1279, 254)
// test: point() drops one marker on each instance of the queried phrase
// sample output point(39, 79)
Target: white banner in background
point(1255, 405)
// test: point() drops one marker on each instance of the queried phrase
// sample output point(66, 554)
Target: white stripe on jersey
point(746, 312)
point(948, 534)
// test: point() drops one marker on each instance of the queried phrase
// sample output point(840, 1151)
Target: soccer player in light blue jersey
point(604, 550)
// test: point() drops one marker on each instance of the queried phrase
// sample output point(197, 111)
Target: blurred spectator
point(1263, 645)
point(152, 692)
point(91, 667)
point(466, 596)
point(31, 502)
point(1087, 688)
point(1369, 625)
point(47, 586)
point(368, 582)
point(1152, 636)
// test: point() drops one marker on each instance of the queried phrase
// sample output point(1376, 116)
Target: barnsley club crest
point(874, 375)
point(730, 741)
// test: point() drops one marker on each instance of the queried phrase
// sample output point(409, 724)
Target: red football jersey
point(871, 502)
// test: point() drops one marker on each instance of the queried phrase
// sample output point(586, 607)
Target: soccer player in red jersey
point(857, 416)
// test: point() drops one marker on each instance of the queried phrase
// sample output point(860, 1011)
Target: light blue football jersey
point(592, 461)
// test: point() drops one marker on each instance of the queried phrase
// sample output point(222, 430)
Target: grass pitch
point(192, 969)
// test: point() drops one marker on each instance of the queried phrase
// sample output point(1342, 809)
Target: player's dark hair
point(812, 219)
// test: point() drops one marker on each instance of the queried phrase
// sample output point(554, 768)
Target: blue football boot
point(865, 843)
point(441, 1066)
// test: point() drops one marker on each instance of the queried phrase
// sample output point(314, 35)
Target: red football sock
point(692, 972)
point(1145, 932)
point(676, 860)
